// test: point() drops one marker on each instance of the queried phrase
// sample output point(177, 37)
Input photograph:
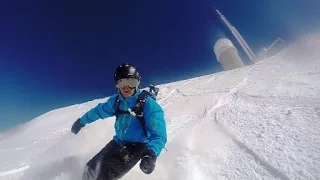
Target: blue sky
point(58, 53)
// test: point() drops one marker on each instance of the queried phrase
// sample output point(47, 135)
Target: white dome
point(221, 45)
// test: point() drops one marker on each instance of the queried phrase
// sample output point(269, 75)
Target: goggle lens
point(129, 83)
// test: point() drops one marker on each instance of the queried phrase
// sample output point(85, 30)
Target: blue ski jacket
point(127, 127)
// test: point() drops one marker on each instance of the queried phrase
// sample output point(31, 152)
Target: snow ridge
point(14, 171)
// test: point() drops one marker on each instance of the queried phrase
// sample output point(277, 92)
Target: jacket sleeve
point(156, 126)
point(101, 111)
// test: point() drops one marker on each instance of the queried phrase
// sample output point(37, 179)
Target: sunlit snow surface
point(257, 122)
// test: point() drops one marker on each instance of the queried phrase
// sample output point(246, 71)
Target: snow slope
point(257, 122)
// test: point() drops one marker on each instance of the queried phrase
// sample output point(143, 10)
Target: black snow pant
point(113, 161)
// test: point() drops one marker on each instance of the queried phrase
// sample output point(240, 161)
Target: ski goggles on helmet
point(128, 82)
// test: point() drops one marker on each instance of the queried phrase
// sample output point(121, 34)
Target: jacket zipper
point(124, 121)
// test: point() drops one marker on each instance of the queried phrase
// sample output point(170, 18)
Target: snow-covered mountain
point(258, 122)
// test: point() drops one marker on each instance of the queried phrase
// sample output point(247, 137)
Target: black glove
point(148, 162)
point(76, 127)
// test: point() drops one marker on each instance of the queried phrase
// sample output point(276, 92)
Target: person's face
point(127, 86)
point(127, 91)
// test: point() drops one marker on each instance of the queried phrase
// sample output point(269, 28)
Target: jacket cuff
point(81, 123)
point(150, 153)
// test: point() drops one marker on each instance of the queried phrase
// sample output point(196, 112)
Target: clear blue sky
point(57, 53)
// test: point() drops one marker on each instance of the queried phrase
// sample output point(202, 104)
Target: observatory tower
point(227, 54)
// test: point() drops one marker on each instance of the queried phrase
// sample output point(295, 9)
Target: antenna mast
point(239, 38)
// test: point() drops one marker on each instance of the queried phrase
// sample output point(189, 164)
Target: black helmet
point(126, 71)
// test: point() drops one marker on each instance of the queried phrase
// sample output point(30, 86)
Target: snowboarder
point(140, 131)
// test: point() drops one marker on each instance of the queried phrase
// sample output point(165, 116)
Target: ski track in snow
point(226, 99)
point(273, 171)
